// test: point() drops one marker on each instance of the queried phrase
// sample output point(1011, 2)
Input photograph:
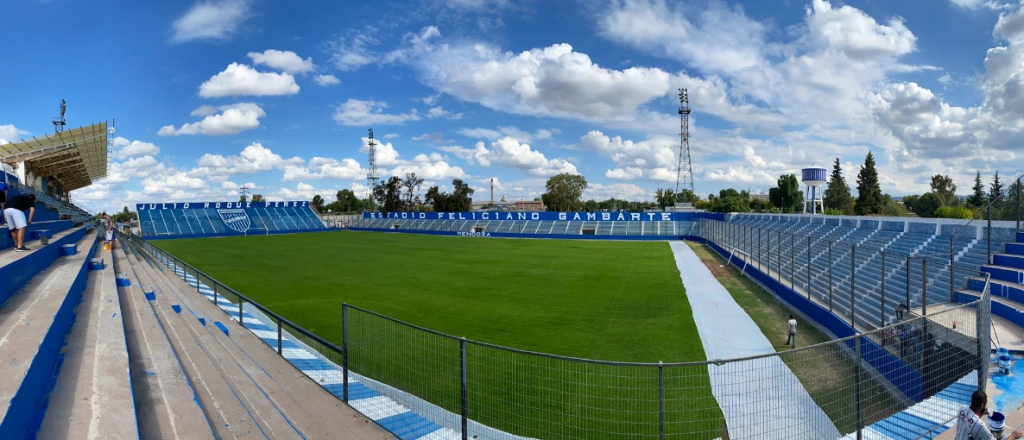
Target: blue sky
point(278, 96)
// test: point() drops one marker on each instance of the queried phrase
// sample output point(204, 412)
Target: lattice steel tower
point(684, 170)
point(372, 179)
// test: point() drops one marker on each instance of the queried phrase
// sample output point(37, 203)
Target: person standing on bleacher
point(3, 196)
point(14, 213)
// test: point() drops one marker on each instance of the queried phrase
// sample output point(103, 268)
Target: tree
point(943, 187)
point(869, 192)
point(731, 203)
point(241, 198)
point(411, 182)
point(318, 203)
point(891, 208)
point(458, 201)
point(837, 195)
point(124, 216)
point(665, 197)
point(996, 189)
point(257, 198)
point(910, 201)
point(977, 199)
point(686, 196)
point(564, 192)
point(926, 205)
point(787, 195)
point(389, 195)
point(348, 202)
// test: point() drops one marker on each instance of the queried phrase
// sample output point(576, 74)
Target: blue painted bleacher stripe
point(311, 364)
point(356, 390)
point(408, 425)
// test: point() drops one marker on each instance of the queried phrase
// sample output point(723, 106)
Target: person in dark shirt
point(14, 213)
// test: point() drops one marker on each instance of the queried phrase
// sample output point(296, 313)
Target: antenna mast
point(684, 170)
point(372, 179)
point(59, 123)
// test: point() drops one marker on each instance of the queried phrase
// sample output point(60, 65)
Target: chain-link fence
point(865, 286)
point(478, 390)
point(1000, 216)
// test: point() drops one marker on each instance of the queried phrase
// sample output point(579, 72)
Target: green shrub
point(833, 211)
point(960, 212)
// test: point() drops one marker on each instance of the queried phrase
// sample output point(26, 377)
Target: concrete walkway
point(759, 398)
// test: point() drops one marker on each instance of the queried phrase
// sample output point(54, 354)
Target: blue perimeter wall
point(515, 235)
point(897, 372)
point(235, 234)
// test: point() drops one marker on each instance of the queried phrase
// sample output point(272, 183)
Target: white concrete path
point(760, 398)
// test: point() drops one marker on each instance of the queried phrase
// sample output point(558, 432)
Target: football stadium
point(273, 270)
point(218, 318)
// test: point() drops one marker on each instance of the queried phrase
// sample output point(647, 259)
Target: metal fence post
point(989, 233)
point(924, 288)
point(758, 248)
point(661, 400)
point(344, 351)
point(240, 315)
point(778, 260)
point(952, 270)
point(853, 286)
point(860, 420)
point(278, 335)
point(908, 282)
point(830, 276)
point(768, 247)
point(984, 326)
point(465, 408)
point(882, 307)
point(215, 293)
point(1016, 194)
point(792, 263)
point(808, 268)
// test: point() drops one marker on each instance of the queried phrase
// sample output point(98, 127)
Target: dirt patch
point(716, 268)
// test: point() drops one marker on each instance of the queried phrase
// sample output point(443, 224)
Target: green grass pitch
point(607, 300)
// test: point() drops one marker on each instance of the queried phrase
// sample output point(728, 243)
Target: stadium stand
point(590, 225)
point(211, 219)
point(800, 244)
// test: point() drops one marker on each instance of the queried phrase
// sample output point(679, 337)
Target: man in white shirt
point(792, 331)
point(969, 424)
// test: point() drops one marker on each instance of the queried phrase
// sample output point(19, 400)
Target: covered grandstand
point(53, 165)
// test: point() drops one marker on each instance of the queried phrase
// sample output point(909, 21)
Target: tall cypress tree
point(977, 199)
point(837, 195)
point(996, 190)
point(869, 192)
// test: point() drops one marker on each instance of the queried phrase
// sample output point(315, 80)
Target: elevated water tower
point(814, 178)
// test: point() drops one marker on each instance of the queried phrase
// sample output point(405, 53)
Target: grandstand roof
point(77, 157)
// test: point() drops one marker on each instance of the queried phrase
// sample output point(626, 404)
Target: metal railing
point(1006, 209)
point(481, 390)
point(863, 284)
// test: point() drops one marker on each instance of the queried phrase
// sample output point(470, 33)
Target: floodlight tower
point(684, 169)
point(372, 179)
point(59, 122)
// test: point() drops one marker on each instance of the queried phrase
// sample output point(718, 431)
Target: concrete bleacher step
point(92, 397)
point(1015, 248)
point(33, 325)
point(277, 400)
point(1008, 260)
point(1004, 273)
point(17, 268)
point(1005, 289)
point(166, 402)
point(930, 414)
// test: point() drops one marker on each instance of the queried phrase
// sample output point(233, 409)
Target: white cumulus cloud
point(284, 60)
point(211, 20)
point(253, 159)
point(510, 153)
point(326, 80)
point(240, 79)
point(366, 113)
point(232, 119)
